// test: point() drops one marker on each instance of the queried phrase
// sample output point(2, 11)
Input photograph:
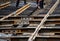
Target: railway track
point(21, 27)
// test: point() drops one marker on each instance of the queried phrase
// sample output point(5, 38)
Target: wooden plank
point(47, 20)
point(6, 22)
point(6, 25)
point(53, 15)
point(34, 17)
point(50, 37)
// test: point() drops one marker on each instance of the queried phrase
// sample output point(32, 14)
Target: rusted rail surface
point(20, 10)
point(5, 5)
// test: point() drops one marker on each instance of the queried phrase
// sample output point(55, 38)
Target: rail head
point(5, 5)
point(33, 36)
point(19, 11)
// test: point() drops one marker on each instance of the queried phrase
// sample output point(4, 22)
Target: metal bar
point(5, 5)
point(33, 36)
point(22, 9)
point(17, 12)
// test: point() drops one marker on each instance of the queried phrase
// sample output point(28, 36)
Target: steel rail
point(33, 36)
point(17, 12)
point(5, 5)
